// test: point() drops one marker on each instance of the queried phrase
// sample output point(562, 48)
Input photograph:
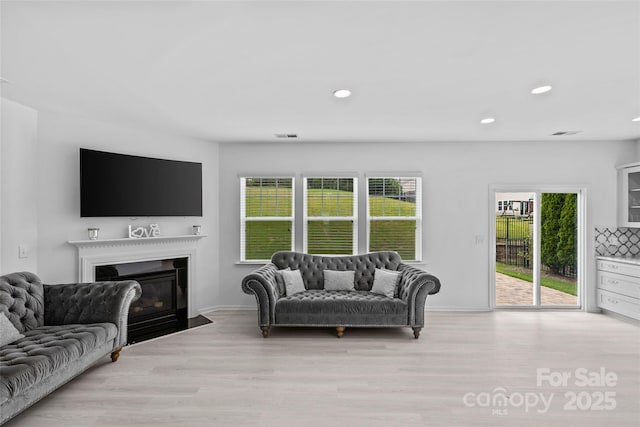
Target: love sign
point(140, 232)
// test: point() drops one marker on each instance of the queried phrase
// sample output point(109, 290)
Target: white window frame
point(417, 218)
point(306, 218)
point(244, 219)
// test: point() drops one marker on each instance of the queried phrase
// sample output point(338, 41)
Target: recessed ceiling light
point(541, 89)
point(637, 119)
point(487, 120)
point(342, 93)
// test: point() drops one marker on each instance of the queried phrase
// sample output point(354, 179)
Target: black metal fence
point(513, 240)
point(568, 271)
point(514, 244)
point(514, 252)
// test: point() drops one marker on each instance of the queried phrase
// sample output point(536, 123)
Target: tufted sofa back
point(22, 300)
point(311, 266)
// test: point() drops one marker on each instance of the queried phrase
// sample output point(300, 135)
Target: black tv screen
point(114, 184)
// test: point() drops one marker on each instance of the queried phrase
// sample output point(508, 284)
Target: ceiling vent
point(286, 135)
point(566, 132)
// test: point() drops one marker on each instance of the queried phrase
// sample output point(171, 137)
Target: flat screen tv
point(113, 184)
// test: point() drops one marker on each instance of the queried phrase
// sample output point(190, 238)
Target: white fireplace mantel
point(93, 253)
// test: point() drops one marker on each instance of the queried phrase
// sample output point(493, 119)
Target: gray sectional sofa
point(316, 306)
point(65, 329)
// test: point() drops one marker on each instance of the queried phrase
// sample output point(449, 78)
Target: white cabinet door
point(629, 207)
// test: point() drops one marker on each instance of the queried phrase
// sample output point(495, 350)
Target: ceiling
point(243, 71)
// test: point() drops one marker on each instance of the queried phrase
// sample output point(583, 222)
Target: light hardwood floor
point(226, 374)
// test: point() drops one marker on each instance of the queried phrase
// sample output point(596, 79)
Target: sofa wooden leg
point(115, 354)
point(265, 331)
point(340, 331)
point(416, 332)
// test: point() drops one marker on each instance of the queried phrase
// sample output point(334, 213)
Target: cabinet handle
point(613, 282)
point(612, 301)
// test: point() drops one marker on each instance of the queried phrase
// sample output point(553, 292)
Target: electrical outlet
point(479, 239)
point(613, 241)
point(23, 251)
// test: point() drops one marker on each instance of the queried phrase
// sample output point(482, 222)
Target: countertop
point(634, 260)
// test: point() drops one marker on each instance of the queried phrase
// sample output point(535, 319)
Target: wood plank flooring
point(226, 374)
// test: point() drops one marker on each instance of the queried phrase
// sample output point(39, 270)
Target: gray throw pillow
point(339, 280)
point(292, 281)
point(8, 332)
point(280, 281)
point(385, 282)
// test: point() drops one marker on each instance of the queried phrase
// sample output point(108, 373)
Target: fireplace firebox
point(162, 308)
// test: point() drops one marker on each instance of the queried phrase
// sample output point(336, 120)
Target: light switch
point(23, 251)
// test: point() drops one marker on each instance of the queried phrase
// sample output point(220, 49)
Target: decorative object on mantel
point(197, 229)
point(93, 233)
point(139, 232)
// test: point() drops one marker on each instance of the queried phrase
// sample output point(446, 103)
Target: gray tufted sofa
point(66, 329)
point(319, 307)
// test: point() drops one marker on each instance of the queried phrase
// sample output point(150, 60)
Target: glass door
point(514, 283)
point(558, 249)
point(536, 249)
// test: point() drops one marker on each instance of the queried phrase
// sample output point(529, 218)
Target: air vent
point(566, 132)
point(286, 135)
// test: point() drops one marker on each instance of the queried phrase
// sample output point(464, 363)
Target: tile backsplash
point(617, 241)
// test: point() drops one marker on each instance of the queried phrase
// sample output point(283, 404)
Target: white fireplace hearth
point(93, 253)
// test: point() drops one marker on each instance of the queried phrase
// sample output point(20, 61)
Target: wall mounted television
point(121, 185)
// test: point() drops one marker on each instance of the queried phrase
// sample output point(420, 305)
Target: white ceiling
point(245, 70)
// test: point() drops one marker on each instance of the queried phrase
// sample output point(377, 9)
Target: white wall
point(60, 137)
point(638, 150)
point(456, 180)
point(18, 187)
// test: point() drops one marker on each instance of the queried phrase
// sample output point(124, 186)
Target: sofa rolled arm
point(262, 284)
point(96, 302)
point(415, 285)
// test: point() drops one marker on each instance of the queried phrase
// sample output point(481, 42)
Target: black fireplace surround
point(162, 308)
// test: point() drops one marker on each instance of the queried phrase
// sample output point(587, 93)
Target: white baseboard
point(457, 308)
point(254, 308)
point(226, 308)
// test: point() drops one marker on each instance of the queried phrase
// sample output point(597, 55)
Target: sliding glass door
point(538, 239)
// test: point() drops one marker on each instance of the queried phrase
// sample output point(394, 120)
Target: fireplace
point(162, 308)
point(125, 258)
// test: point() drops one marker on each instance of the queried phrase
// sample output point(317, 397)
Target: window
point(500, 205)
point(330, 215)
point(394, 215)
point(266, 217)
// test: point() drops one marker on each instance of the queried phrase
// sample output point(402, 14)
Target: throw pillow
point(339, 280)
point(8, 332)
point(385, 282)
point(280, 281)
point(293, 282)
